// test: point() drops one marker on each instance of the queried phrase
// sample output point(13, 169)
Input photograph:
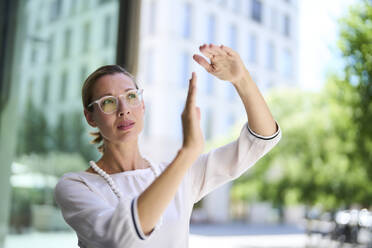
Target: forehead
point(114, 84)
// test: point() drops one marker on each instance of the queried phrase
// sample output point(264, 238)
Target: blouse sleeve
point(228, 162)
point(97, 223)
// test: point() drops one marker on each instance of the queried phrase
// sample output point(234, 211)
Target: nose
point(122, 107)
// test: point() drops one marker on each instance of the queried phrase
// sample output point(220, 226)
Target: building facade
point(68, 39)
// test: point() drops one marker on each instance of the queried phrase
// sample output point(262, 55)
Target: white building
point(68, 39)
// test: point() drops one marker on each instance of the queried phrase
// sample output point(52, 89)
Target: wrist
point(188, 153)
point(244, 80)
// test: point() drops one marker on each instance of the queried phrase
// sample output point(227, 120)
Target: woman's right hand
point(193, 140)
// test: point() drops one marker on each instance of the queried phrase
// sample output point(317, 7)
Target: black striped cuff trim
point(264, 138)
point(134, 221)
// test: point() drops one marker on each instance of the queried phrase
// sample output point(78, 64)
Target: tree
point(37, 136)
point(311, 164)
point(356, 48)
point(33, 132)
point(325, 154)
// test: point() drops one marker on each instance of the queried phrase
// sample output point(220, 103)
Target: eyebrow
point(110, 94)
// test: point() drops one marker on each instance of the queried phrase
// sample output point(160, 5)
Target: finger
point(217, 50)
point(228, 50)
point(206, 51)
point(203, 62)
point(191, 96)
point(209, 49)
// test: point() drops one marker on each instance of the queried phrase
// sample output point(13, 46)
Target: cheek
point(104, 121)
point(139, 115)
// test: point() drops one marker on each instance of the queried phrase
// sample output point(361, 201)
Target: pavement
point(232, 235)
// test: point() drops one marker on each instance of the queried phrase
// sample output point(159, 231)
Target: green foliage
point(311, 164)
point(325, 153)
point(37, 136)
point(20, 212)
point(356, 47)
point(33, 132)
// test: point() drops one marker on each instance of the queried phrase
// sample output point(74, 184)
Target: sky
point(317, 40)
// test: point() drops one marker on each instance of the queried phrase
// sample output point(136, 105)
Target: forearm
point(260, 119)
point(155, 199)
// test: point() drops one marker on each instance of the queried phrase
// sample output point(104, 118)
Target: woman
point(124, 200)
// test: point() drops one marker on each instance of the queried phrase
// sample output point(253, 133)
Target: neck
point(121, 157)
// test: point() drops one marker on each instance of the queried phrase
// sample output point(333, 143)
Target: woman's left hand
point(225, 64)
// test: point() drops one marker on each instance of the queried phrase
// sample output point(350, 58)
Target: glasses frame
point(98, 101)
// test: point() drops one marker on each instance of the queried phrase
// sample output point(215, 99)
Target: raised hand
point(225, 63)
point(192, 134)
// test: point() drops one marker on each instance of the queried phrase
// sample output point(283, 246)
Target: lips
point(125, 123)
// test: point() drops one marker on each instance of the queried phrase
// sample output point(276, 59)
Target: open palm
point(225, 63)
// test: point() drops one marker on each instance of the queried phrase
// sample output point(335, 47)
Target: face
point(108, 124)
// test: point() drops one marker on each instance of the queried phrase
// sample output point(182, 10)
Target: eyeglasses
point(110, 104)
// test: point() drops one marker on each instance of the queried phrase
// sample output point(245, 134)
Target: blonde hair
point(87, 92)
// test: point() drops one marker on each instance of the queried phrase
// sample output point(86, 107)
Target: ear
point(89, 117)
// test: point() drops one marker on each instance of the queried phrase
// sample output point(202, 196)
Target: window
point(270, 56)
point(38, 24)
point(286, 26)
point(233, 37)
point(273, 19)
point(236, 6)
point(46, 89)
point(286, 64)
point(152, 18)
point(73, 7)
point(86, 37)
point(256, 10)
point(186, 21)
point(83, 73)
point(33, 55)
point(50, 48)
point(211, 29)
point(252, 55)
point(185, 69)
point(55, 9)
point(63, 86)
point(66, 52)
point(107, 31)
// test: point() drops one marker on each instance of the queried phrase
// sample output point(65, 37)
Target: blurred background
point(312, 60)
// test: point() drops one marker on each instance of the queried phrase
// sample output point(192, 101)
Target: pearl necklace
point(111, 182)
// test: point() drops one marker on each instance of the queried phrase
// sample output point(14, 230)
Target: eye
point(108, 101)
point(132, 95)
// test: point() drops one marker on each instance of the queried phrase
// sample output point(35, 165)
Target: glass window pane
point(233, 37)
point(186, 20)
point(211, 28)
point(256, 10)
point(63, 41)
point(252, 55)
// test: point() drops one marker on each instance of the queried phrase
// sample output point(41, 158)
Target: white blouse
point(100, 220)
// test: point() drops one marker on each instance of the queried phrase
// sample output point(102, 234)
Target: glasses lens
point(109, 104)
point(133, 98)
